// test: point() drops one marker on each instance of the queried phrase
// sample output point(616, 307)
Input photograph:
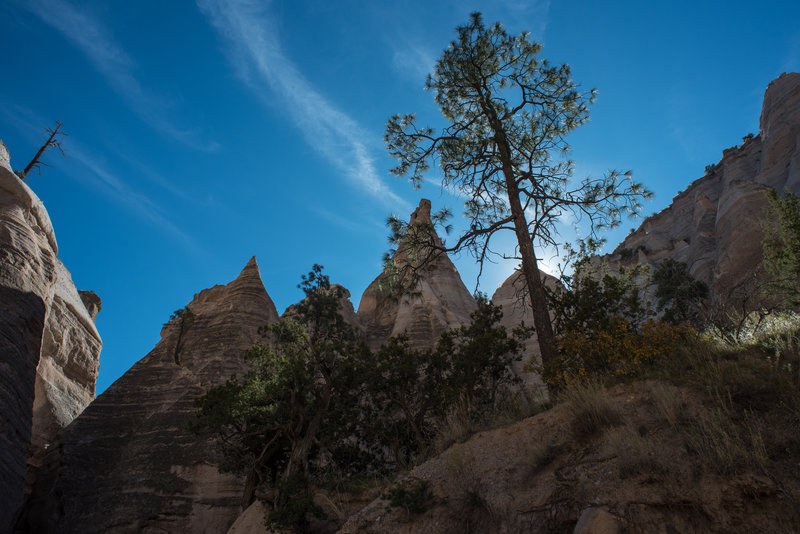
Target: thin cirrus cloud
point(256, 52)
point(111, 185)
point(92, 38)
point(415, 61)
point(85, 167)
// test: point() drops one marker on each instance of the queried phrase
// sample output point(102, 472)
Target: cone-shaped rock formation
point(440, 302)
point(129, 462)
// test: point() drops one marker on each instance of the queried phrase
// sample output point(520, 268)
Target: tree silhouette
point(508, 113)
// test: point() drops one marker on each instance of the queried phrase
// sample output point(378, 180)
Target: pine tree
point(781, 246)
point(508, 113)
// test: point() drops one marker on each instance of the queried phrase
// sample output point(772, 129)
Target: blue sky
point(201, 134)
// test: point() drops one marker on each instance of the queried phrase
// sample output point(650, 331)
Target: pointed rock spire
point(423, 212)
point(440, 302)
point(135, 439)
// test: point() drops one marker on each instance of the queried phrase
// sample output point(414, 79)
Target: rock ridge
point(713, 224)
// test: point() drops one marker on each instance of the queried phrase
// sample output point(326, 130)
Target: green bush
point(679, 294)
point(414, 497)
point(604, 328)
point(781, 246)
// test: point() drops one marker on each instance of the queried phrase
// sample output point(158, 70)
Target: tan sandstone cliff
point(713, 225)
point(441, 302)
point(130, 462)
point(48, 341)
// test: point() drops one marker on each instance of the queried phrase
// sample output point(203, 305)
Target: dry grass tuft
point(636, 454)
point(590, 409)
point(669, 401)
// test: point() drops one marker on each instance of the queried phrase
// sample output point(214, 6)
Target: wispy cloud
point(359, 224)
point(791, 60)
point(86, 168)
point(257, 53)
point(107, 182)
point(92, 38)
point(415, 61)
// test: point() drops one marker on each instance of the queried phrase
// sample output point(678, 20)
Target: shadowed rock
point(129, 462)
point(513, 300)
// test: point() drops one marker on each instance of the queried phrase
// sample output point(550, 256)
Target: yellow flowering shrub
point(617, 350)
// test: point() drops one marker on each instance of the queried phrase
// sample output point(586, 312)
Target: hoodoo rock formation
point(440, 301)
point(713, 225)
point(130, 462)
point(49, 345)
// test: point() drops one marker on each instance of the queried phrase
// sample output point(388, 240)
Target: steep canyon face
point(713, 225)
point(49, 344)
point(130, 462)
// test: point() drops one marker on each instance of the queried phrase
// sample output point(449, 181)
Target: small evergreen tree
point(481, 354)
point(508, 113)
point(781, 245)
point(679, 294)
point(300, 399)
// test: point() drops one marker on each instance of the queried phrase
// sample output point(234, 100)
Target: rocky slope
point(712, 226)
point(441, 301)
point(638, 470)
point(129, 462)
point(48, 340)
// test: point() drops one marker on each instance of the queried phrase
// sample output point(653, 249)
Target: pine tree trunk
point(530, 267)
point(533, 278)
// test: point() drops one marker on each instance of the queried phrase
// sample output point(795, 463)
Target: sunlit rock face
point(68, 366)
point(440, 301)
point(130, 462)
point(48, 341)
point(714, 224)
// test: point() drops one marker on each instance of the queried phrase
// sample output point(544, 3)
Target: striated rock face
point(441, 302)
point(512, 299)
point(68, 366)
point(713, 226)
point(129, 462)
point(48, 341)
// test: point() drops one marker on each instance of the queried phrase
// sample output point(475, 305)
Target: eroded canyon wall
point(130, 462)
point(714, 224)
point(49, 345)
